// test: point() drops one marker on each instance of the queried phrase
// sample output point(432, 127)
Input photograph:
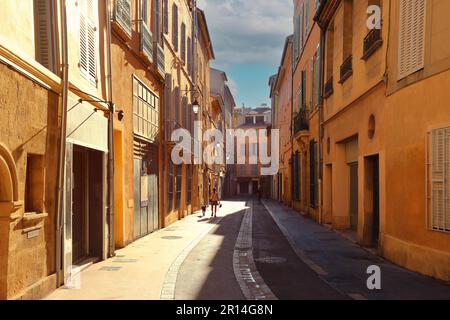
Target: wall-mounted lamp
point(120, 115)
point(195, 106)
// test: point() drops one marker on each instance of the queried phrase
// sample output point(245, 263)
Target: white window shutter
point(440, 179)
point(88, 46)
point(44, 34)
point(411, 37)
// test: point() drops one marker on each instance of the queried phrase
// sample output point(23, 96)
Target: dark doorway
point(353, 196)
point(243, 188)
point(79, 206)
point(372, 200)
point(87, 203)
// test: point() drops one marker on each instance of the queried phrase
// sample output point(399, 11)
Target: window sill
point(372, 50)
point(346, 76)
point(33, 216)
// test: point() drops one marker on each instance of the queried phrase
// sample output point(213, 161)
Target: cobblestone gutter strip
point(250, 281)
point(317, 269)
point(169, 285)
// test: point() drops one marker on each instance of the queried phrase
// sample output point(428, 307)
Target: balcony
point(346, 69)
point(121, 15)
point(146, 42)
point(301, 122)
point(158, 54)
point(371, 43)
point(328, 89)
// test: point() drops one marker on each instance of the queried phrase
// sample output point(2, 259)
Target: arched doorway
point(8, 183)
point(8, 205)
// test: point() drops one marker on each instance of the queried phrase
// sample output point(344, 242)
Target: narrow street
point(250, 251)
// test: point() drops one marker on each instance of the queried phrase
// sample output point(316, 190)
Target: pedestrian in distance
point(214, 200)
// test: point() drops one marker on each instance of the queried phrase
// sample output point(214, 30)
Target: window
point(171, 186)
point(183, 43)
point(189, 184)
point(157, 20)
point(249, 120)
point(145, 111)
point(175, 27)
point(122, 15)
point(144, 11)
point(179, 182)
point(253, 150)
point(439, 179)
point(189, 56)
point(296, 177)
point(178, 105)
point(313, 174)
point(318, 84)
point(166, 16)
point(45, 33)
point(34, 184)
point(88, 43)
point(303, 91)
point(348, 29)
point(412, 37)
point(260, 120)
point(306, 18)
point(330, 51)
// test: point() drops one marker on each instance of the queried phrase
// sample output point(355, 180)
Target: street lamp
point(195, 106)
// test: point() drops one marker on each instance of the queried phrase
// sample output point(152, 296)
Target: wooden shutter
point(306, 18)
point(183, 43)
point(175, 27)
point(44, 33)
point(166, 16)
point(303, 89)
point(312, 83)
point(411, 37)
point(318, 71)
point(440, 179)
point(189, 55)
point(157, 20)
point(301, 30)
point(88, 47)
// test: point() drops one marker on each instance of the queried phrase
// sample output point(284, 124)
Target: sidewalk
point(138, 272)
point(343, 264)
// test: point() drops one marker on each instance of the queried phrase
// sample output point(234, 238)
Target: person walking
point(214, 200)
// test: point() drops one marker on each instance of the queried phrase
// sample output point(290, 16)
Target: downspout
point(294, 67)
point(62, 142)
point(321, 128)
point(109, 98)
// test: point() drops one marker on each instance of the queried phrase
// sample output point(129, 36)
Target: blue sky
point(248, 38)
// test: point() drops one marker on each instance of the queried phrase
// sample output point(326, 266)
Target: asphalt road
point(207, 273)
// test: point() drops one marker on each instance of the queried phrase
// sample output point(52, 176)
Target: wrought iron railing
point(371, 43)
point(328, 89)
point(158, 52)
point(121, 14)
point(146, 41)
point(301, 122)
point(347, 68)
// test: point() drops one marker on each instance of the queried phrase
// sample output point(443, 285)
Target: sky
point(248, 38)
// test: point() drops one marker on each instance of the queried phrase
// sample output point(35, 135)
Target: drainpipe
point(321, 129)
point(62, 146)
point(294, 67)
point(109, 98)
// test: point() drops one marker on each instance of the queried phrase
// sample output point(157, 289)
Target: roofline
point(205, 29)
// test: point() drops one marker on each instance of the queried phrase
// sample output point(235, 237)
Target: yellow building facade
point(30, 87)
point(385, 129)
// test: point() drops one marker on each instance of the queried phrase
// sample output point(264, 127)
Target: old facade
point(249, 122)
point(138, 69)
point(367, 157)
point(96, 89)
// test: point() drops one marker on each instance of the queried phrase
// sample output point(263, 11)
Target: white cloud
point(248, 31)
point(233, 86)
